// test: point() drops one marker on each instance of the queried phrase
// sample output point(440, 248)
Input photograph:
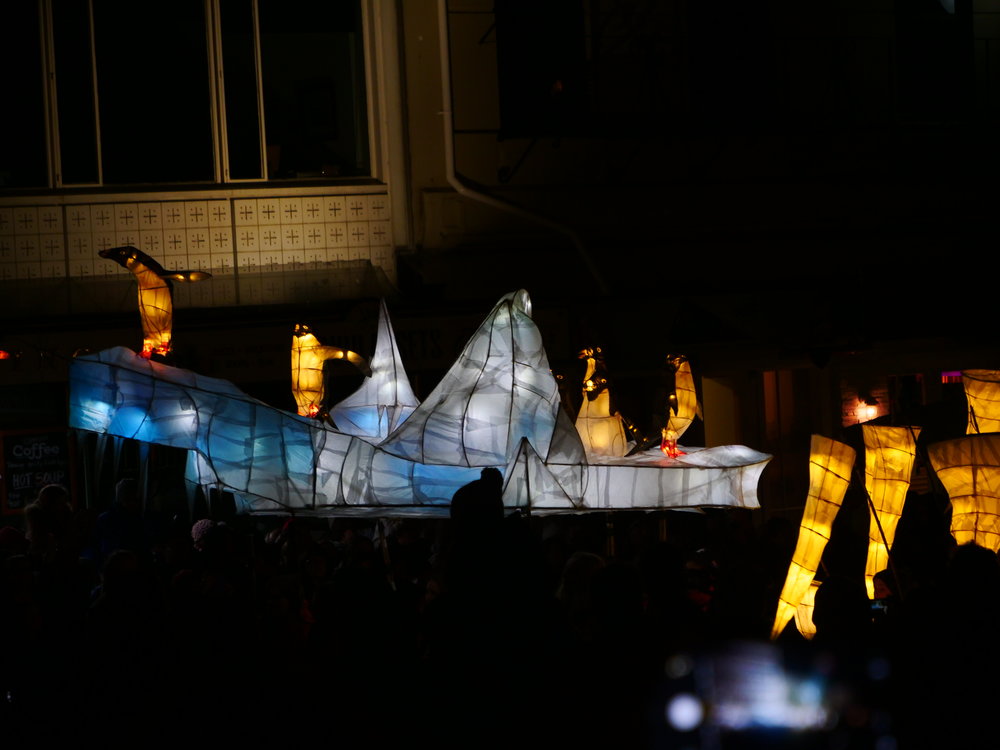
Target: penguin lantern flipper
point(335, 352)
point(155, 295)
point(308, 356)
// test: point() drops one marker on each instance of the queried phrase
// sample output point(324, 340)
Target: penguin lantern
point(156, 306)
point(308, 356)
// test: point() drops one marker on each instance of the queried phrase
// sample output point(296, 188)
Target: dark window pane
point(23, 161)
point(314, 92)
point(153, 93)
point(240, 72)
point(75, 92)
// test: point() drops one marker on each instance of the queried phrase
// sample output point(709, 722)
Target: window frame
point(373, 33)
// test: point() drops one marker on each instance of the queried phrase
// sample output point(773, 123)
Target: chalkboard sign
point(29, 460)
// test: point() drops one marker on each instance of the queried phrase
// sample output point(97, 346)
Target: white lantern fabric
point(499, 391)
point(385, 399)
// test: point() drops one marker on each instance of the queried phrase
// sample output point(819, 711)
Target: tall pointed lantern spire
point(385, 399)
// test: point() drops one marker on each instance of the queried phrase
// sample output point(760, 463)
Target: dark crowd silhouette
point(483, 629)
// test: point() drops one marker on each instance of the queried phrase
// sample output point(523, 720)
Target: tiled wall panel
point(230, 238)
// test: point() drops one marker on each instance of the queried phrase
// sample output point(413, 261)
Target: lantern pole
point(878, 523)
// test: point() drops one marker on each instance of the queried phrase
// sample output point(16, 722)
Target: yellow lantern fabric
point(684, 404)
point(156, 307)
point(804, 612)
point(602, 433)
point(889, 456)
point(969, 469)
point(982, 392)
point(830, 465)
point(308, 356)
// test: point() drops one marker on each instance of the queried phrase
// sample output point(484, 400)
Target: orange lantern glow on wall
point(889, 456)
point(969, 469)
point(156, 307)
point(982, 392)
point(830, 465)
point(308, 356)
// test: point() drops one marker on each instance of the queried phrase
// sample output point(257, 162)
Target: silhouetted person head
point(974, 571)
point(842, 611)
point(478, 505)
point(884, 584)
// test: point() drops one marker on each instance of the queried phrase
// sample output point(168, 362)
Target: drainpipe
point(456, 181)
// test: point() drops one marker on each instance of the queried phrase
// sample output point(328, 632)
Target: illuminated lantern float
point(889, 456)
point(156, 295)
point(497, 406)
point(830, 465)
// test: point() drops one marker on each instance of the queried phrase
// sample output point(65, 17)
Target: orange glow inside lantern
point(830, 465)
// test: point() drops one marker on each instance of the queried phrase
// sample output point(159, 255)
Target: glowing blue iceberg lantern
point(497, 406)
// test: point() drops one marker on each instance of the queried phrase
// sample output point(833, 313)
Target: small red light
point(4, 354)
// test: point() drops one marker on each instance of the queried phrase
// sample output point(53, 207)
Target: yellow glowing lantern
point(982, 391)
point(969, 469)
point(308, 356)
point(156, 306)
point(830, 464)
point(804, 612)
point(889, 456)
point(683, 402)
point(602, 432)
